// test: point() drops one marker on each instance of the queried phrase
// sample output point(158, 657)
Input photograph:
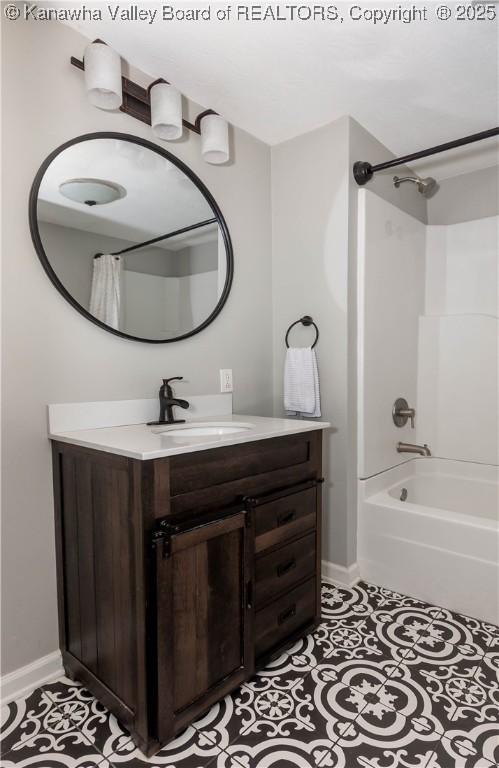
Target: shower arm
point(398, 180)
point(364, 171)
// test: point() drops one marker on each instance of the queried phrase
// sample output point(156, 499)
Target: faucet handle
point(401, 413)
point(166, 384)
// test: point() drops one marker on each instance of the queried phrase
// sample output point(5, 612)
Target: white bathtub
point(442, 543)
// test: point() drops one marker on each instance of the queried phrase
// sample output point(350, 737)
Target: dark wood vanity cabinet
point(178, 577)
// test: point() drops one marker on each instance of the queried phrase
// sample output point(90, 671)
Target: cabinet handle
point(286, 615)
point(285, 517)
point(285, 568)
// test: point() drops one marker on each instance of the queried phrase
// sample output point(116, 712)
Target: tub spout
point(423, 450)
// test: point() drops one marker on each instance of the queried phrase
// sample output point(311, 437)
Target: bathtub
point(440, 544)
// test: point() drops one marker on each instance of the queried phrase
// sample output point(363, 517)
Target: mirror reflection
point(132, 238)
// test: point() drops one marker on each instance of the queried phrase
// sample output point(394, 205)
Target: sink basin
point(205, 429)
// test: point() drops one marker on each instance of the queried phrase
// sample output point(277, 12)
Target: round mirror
point(131, 237)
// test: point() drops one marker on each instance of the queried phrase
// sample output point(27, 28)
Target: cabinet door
point(204, 614)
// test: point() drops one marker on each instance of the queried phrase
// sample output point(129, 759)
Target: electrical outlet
point(226, 380)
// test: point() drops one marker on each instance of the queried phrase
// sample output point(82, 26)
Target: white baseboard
point(338, 574)
point(24, 680)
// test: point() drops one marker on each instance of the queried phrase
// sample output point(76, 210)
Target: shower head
point(427, 187)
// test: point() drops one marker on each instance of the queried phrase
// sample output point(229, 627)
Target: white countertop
point(139, 441)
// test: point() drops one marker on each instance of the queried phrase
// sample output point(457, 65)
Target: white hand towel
point(301, 382)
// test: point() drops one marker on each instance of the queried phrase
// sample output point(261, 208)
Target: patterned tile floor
point(386, 681)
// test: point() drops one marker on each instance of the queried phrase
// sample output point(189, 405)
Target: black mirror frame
point(35, 234)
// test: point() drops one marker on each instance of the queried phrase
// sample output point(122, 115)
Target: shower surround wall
point(428, 331)
point(458, 342)
point(390, 301)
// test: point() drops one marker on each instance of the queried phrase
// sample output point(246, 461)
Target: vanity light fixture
point(160, 105)
point(91, 191)
point(166, 110)
point(103, 75)
point(214, 139)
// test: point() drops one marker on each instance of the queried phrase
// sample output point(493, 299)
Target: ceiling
point(177, 202)
point(412, 85)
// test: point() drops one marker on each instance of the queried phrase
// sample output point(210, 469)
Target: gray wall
point(52, 354)
point(310, 256)
point(466, 197)
point(195, 259)
point(314, 245)
point(71, 255)
point(364, 146)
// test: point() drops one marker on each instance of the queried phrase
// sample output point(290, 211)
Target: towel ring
point(305, 320)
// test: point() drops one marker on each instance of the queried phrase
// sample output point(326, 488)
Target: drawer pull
point(285, 517)
point(286, 615)
point(285, 568)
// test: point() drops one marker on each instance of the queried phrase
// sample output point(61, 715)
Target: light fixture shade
point(214, 139)
point(103, 76)
point(91, 191)
point(166, 111)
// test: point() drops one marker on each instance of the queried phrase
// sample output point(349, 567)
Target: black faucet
point(166, 403)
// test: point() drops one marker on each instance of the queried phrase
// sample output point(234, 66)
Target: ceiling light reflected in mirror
point(91, 191)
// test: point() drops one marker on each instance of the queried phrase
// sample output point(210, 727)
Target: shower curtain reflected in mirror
point(105, 296)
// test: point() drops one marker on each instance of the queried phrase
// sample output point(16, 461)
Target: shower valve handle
point(401, 413)
point(409, 413)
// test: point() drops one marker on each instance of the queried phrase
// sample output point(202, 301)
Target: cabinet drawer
point(284, 567)
point(284, 518)
point(284, 616)
point(291, 455)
